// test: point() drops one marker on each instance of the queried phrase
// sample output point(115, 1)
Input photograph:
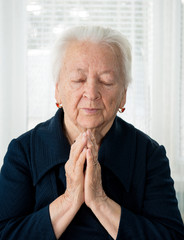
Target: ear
point(123, 100)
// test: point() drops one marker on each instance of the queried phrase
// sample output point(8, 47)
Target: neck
point(72, 131)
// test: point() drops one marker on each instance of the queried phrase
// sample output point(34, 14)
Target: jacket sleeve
point(160, 217)
point(18, 220)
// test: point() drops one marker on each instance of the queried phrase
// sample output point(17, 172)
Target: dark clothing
point(135, 174)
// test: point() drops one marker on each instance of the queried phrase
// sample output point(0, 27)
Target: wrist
point(70, 203)
point(62, 211)
point(100, 203)
point(108, 213)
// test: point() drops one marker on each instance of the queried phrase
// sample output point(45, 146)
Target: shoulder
point(41, 131)
point(19, 149)
point(139, 140)
point(37, 150)
point(24, 140)
point(145, 154)
point(129, 129)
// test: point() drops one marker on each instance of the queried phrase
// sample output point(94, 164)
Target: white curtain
point(166, 83)
point(165, 78)
point(155, 97)
point(13, 114)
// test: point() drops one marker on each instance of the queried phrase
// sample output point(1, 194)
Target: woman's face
point(90, 86)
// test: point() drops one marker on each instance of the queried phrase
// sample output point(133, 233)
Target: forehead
point(88, 54)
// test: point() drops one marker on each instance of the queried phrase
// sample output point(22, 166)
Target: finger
point(91, 162)
point(89, 159)
point(93, 139)
point(91, 144)
point(81, 161)
point(77, 147)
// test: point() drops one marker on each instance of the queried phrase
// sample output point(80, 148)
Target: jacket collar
point(51, 148)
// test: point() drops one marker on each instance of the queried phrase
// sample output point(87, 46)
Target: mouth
point(91, 110)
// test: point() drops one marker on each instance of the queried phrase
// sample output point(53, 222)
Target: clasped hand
point(83, 172)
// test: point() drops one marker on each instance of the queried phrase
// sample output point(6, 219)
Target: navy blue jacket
point(135, 174)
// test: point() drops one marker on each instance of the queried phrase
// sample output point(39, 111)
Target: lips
point(90, 110)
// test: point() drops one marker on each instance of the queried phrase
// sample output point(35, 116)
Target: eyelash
point(100, 81)
point(78, 81)
point(106, 84)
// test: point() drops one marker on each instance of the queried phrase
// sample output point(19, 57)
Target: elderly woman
point(85, 173)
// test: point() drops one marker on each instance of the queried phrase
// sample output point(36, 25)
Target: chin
point(90, 124)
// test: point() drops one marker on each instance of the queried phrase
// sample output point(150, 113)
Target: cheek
point(71, 99)
point(112, 99)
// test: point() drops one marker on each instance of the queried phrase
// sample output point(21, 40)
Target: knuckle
point(73, 146)
point(99, 167)
point(66, 166)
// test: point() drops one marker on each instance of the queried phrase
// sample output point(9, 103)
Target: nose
point(91, 90)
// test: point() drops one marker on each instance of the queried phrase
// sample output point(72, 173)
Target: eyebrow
point(77, 71)
point(107, 72)
point(80, 70)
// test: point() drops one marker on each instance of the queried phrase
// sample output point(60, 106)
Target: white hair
point(96, 34)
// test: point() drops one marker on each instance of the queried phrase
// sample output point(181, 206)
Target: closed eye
point(105, 83)
point(78, 81)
